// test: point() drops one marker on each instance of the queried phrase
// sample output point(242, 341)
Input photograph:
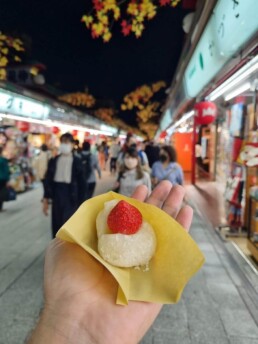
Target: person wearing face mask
point(131, 174)
point(64, 184)
point(167, 168)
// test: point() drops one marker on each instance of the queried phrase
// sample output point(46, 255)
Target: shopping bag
point(10, 194)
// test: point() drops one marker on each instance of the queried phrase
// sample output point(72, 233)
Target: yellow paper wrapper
point(176, 260)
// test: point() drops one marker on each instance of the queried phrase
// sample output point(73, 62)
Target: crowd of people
point(69, 178)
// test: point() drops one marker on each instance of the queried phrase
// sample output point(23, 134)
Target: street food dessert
point(122, 234)
point(125, 239)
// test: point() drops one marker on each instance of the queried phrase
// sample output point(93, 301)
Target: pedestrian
point(198, 158)
point(41, 163)
point(90, 165)
point(64, 184)
point(143, 156)
point(4, 178)
point(131, 174)
point(152, 152)
point(102, 155)
point(114, 152)
point(80, 292)
point(167, 168)
point(130, 142)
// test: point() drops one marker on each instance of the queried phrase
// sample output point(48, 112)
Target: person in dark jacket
point(4, 177)
point(152, 152)
point(64, 184)
point(89, 169)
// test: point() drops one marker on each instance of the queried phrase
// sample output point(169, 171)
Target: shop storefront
point(28, 120)
point(222, 71)
point(237, 151)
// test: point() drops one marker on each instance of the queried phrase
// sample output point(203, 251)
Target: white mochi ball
point(124, 250)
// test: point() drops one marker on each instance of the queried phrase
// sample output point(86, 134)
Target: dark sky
point(74, 60)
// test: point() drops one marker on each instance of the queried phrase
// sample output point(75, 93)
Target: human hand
point(45, 206)
point(80, 293)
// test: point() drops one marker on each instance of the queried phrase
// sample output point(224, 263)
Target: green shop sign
point(231, 25)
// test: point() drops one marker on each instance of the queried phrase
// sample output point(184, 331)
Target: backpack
point(4, 170)
point(86, 165)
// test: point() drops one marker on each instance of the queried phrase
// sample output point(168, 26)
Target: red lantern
point(163, 134)
point(205, 112)
point(23, 126)
point(55, 130)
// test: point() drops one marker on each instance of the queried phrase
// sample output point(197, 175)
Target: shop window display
point(238, 162)
point(22, 141)
point(16, 151)
point(229, 171)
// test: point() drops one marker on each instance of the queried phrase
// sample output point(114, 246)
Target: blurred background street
point(100, 95)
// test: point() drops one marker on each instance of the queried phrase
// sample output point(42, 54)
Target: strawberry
point(124, 218)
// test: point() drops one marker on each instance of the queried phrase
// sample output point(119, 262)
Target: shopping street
point(104, 95)
point(219, 305)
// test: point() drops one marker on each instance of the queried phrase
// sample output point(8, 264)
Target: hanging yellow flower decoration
point(149, 128)
point(2, 74)
point(147, 108)
point(140, 97)
point(148, 112)
point(105, 114)
point(133, 14)
point(10, 48)
point(78, 99)
point(158, 86)
point(3, 61)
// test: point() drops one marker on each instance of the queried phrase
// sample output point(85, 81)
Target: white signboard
point(232, 23)
point(235, 22)
point(22, 106)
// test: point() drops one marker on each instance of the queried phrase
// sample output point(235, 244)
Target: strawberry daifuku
point(124, 218)
point(125, 239)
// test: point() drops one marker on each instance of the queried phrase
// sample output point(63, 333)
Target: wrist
point(62, 326)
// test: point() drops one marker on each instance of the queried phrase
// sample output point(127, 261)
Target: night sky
point(74, 60)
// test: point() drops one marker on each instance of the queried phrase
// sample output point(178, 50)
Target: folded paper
point(176, 260)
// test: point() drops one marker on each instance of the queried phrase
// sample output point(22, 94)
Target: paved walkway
point(219, 305)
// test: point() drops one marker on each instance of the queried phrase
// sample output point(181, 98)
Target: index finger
point(160, 194)
point(140, 193)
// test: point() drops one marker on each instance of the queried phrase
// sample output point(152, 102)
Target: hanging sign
point(232, 24)
point(206, 112)
point(15, 104)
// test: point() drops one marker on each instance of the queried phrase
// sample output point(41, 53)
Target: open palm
point(78, 287)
